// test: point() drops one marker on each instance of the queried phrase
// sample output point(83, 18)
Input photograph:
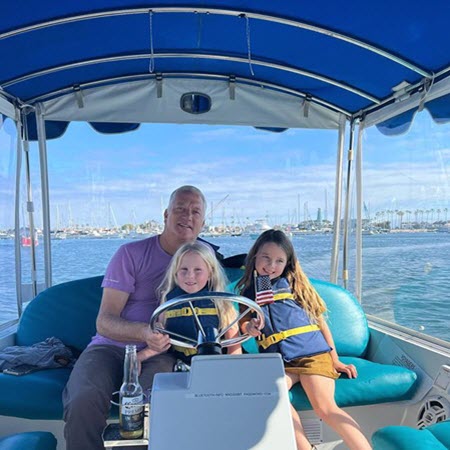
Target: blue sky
point(98, 179)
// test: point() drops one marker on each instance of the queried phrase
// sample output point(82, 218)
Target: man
point(129, 299)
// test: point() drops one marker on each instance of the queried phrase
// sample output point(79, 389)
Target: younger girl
point(308, 348)
point(194, 268)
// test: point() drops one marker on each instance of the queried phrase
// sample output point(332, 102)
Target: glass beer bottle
point(131, 411)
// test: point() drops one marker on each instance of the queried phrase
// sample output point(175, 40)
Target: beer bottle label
point(132, 413)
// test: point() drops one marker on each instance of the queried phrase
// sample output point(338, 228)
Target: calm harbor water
point(406, 275)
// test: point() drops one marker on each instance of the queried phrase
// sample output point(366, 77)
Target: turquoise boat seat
point(434, 437)
point(376, 383)
point(33, 440)
point(69, 310)
point(34, 396)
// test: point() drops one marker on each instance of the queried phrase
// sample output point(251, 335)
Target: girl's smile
point(192, 274)
point(270, 260)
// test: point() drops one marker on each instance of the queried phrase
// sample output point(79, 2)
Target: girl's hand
point(348, 369)
point(252, 327)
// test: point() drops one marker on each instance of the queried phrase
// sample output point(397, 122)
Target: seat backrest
point(67, 311)
point(345, 317)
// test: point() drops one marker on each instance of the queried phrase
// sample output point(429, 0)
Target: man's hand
point(157, 341)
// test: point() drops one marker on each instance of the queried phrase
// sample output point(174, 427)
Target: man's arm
point(110, 324)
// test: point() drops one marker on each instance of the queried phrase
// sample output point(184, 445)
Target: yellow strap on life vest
point(283, 296)
point(186, 351)
point(186, 312)
point(277, 337)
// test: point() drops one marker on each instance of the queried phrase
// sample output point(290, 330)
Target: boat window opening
point(8, 161)
point(406, 226)
point(195, 103)
point(106, 190)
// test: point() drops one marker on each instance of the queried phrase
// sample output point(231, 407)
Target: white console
point(237, 402)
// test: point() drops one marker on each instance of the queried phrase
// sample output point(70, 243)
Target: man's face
point(185, 217)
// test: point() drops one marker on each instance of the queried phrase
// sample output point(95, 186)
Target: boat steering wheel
point(204, 338)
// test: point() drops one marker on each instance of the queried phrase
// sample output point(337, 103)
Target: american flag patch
point(264, 293)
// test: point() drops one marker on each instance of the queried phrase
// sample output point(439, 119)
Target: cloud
point(414, 186)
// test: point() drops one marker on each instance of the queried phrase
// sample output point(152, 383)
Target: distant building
point(319, 216)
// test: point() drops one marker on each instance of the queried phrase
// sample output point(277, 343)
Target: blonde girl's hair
point(304, 293)
point(217, 280)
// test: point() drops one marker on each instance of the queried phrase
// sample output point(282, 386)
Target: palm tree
point(400, 214)
point(408, 215)
point(389, 218)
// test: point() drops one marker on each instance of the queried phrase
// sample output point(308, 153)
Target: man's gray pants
point(88, 393)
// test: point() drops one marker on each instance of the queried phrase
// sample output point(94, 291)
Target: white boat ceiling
point(266, 64)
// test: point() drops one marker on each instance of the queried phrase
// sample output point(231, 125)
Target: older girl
point(295, 327)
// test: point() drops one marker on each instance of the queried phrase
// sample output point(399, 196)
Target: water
point(406, 275)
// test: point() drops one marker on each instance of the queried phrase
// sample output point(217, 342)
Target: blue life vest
point(288, 329)
point(180, 320)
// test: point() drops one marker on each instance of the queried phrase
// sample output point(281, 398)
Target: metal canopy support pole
point(17, 243)
point(40, 123)
point(337, 202)
point(30, 205)
point(359, 209)
point(347, 207)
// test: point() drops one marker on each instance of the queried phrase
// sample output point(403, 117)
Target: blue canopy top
point(348, 58)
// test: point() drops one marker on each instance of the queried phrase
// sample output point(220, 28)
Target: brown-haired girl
point(296, 328)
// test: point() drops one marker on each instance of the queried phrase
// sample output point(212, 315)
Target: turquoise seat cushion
point(375, 383)
point(435, 437)
point(67, 311)
point(37, 395)
point(250, 346)
point(233, 274)
point(345, 317)
point(441, 432)
point(33, 440)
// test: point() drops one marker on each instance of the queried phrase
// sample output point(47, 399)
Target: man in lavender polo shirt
point(129, 299)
